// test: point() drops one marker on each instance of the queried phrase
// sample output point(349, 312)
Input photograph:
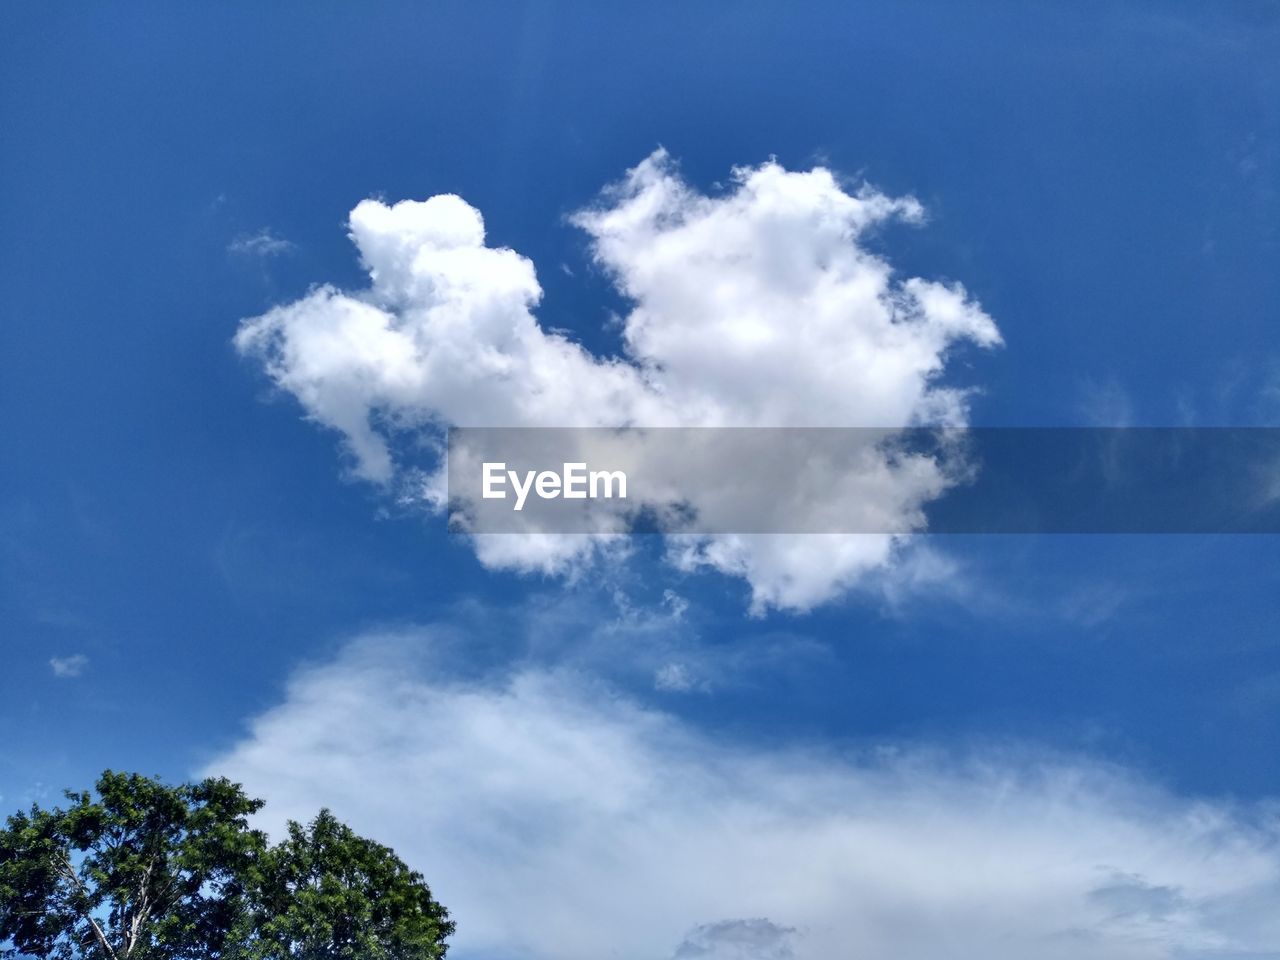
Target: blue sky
point(1102, 178)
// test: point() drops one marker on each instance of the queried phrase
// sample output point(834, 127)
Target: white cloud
point(71, 666)
point(264, 243)
point(559, 820)
point(757, 307)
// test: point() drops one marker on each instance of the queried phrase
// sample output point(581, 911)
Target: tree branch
point(138, 916)
point(69, 871)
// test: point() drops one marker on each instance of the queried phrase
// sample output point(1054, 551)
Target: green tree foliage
point(144, 871)
point(325, 893)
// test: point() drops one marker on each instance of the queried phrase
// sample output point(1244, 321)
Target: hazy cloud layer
point(559, 820)
point(758, 306)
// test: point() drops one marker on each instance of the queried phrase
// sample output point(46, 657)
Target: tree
point(143, 872)
point(325, 893)
point(151, 872)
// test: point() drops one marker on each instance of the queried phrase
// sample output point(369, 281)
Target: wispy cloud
point(1106, 403)
point(264, 243)
point(641, 641)
point(72, 666)
point(676, 678)
point(558, 819)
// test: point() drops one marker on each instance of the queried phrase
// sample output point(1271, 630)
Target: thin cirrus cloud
point(558, 819)
point(758, 306)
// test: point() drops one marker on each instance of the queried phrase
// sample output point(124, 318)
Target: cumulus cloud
point(759, 306)
point(558, 819)
point(71, 666)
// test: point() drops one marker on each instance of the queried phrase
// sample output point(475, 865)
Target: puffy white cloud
point(559, 820)
point(763, 308)
point(760, 306)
